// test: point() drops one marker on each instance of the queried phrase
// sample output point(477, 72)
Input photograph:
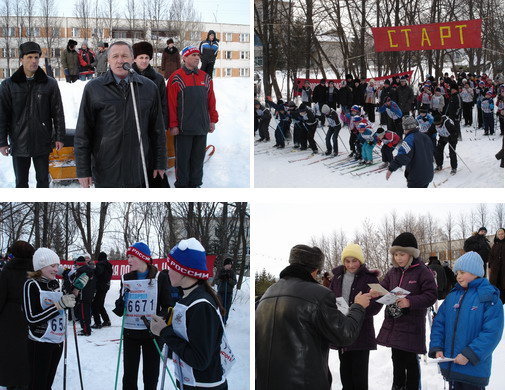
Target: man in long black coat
point(107, 148)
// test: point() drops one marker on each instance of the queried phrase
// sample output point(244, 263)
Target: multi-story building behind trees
point(53, 34)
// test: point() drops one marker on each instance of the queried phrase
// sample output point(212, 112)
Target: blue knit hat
point(188, 258)
point(141, 251)
point(470, 262)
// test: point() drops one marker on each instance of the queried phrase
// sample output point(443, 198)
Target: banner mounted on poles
point(436, 36)
point(378, 80)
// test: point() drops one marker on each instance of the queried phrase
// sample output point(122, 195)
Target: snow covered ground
point(287, 168)
point(98, 354)
point(228, 168)
point(381, 366)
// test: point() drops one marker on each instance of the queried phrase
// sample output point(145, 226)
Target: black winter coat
point(479, 244)
point(497, 264)
point(405, 98)
point(435, 266)
point(157, 79)
point(13, 326)
point(106, 141)
point(345, 96)
point(296, 321)
point(319, 94)
point(227, 280)
point(88, 292)
point(31, 114)
point(103, 275)
point(364, 276)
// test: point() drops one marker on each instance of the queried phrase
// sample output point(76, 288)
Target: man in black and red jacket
point(192, 115)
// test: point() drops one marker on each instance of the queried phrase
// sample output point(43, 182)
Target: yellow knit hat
point(353, 250)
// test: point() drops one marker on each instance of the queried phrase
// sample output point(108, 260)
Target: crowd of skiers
point(34, 309)
point(439, 106)
point(297, 314)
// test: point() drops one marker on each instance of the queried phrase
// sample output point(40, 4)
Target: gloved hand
point(119, 309)
point(66, 302)
point(157, 324)
point(81, 281)
point(66, 71)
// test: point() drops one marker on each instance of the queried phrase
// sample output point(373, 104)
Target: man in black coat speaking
point(107, 147)
point(298, 314)
point(31, 117)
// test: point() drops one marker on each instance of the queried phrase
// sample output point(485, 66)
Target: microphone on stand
point(128, 67)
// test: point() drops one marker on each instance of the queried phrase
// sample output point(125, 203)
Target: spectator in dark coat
point(497, 263)
point(358, 96)
point(451, 278)
point(209, 49)
point(345, 96)
point(170, 59)
point(14, 361)
point(70, 62)
point(436, 267)
point(348, 280)
point(227, 280)
point(319, 97)
point(404, 326)
point(332, 95)
point(499, 155)
point(298, 314)
point(480, 244)
point(405, 95)
point(103, 275)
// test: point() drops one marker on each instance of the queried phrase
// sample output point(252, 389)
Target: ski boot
point(438, 168)
point(453, 171)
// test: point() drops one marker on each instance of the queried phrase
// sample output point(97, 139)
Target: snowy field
point(229, 166)
point(98, 354)
point(294, 168)
point(381, 366)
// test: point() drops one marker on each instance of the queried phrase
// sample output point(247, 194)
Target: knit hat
point(84, 43)
point(188, 258)
point(470, 262)
point(22, 249)
point(102, 256)
point(322, 81)
point(387, 82)
point(482, 228)
point(353, 250)
point(44, 257)
point(405, 242)
point(409, 123)
point(80, 260)
point(356, 118)
point(169, 41)
point(356, 108)
point(291, 104)
point(325, 109)
point(305, 255)
point(141, 251)
point(29, 47)
point(227, 261)
point(348, 76)
point(380, 130)
point(140, 48)
point(257, 102)
point(489, 93)
point(189, 50)
point(437, 119)
point(362, 126)
point(423, 110)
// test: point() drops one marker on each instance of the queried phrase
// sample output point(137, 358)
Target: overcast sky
point(280, 226)
point(222, 11)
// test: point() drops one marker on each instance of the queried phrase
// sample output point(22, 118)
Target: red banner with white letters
point(121, 267)
point(449, 35)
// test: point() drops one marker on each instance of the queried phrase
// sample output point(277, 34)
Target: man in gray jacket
point(297, 320)
point(100, 63)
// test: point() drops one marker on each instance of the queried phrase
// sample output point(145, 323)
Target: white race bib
point(141, 300)
point(55, 332)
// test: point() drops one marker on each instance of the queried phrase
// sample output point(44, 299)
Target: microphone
point(128, 67)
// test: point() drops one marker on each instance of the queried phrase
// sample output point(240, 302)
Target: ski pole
point(125, 294)
point(65, 354)
point(139, 135)
point(308, 132)
point(148, 326)
point(165, 358)
point(463, 161)
point(77, 350)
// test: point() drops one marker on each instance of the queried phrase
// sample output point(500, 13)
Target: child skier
point(394, 115)
point(284, 121)
point(262, 118)
point(468, 326)
point(308, 123)
point(388, 140)
point(403, 329)
point(334, 126)
point(196, 334)
point(425, 122)
point(44, 308)
point(147, 285)
point(348, 280)
point(437, 101)
point(487, 107)
point(367, 141)
point(448, 134)
point(424, 97)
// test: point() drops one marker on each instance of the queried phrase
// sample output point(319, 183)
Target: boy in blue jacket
point(468, 326)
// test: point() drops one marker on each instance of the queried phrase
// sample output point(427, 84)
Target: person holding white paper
point(468, 326)
point(403, 329)
point(348, 280)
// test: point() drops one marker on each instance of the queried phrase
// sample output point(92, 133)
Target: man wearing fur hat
point(209, 49)
point(107, 147)
point(192, 113)
point(70, 62)
point(31, 117)
point(416, 153)
point(142, 55)
point(298, 314)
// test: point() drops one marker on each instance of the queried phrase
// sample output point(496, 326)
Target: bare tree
point(499, 215)
point(29, 7)
point(481, 214)
point(82, 11)
point(157, 11)
point(50, 26)
point(7, 33)
point(185, 22)
point(449, 226)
